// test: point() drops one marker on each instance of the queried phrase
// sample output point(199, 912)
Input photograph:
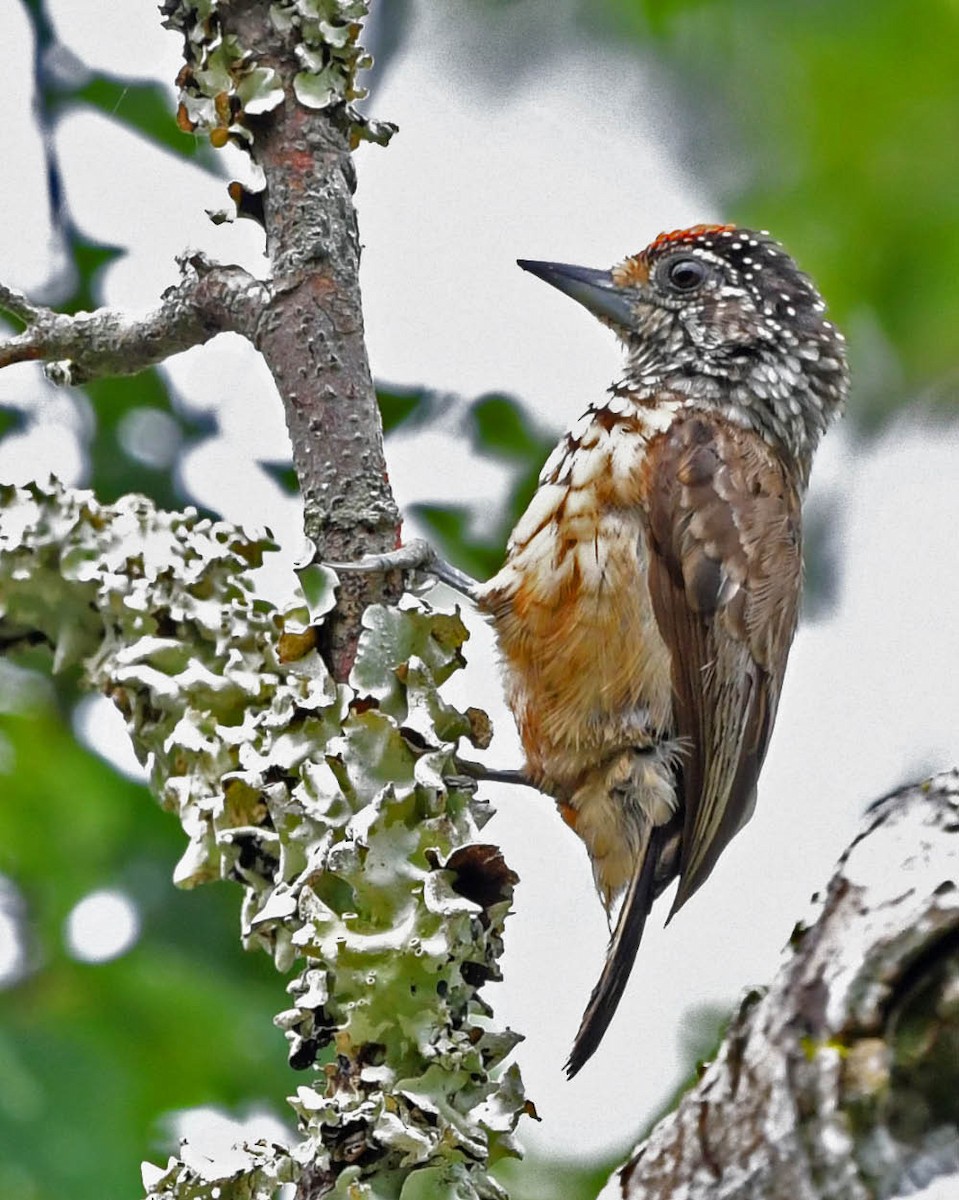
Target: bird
point(650, 591)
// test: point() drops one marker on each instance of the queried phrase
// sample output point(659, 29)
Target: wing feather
point(724, 578)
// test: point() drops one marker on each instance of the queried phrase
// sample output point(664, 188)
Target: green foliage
point(88, 259)
point(833, 124)
point(496, 427)
point(12, 420)
point(93, 1055)
point(409, 408)
point(115, 463)
point(143, 107)
point(96, 1054)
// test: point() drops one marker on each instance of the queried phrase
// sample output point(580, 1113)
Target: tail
point(619, 958)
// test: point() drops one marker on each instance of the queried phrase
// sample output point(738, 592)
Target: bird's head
point(722, 317)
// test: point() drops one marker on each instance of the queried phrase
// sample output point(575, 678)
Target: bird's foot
point(487, 774)
point(417, 555)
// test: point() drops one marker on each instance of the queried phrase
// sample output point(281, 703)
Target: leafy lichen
point(340, 809)
point(225, 84)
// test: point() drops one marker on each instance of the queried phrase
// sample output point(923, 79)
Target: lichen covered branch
point(280, 79)
point(208, 300)
point(339, 808)
point(842, 1079)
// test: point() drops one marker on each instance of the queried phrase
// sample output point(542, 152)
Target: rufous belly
point(587, 672)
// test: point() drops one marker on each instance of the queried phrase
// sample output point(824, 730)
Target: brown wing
point(724, 577)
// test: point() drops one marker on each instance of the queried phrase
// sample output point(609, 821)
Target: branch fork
point(208, 299)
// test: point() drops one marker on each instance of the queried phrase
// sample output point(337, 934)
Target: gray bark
point(312, 334)
point(208, 300)
point(841, 1081)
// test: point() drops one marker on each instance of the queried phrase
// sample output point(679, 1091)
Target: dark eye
point(686, 274)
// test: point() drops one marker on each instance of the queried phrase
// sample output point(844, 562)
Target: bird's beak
point(593, 289)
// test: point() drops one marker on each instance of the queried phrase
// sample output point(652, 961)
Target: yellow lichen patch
point(295, 643)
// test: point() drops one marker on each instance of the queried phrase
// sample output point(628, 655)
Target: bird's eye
point(686, 274)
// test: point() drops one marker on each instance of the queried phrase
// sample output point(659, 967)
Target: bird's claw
point(417, 555)
point(485, 774)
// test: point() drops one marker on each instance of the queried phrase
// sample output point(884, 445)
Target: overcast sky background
point(482, 173)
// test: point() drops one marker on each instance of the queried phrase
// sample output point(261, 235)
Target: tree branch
point(17, 304)
point(208, 300)
point(281, 83)
point(842, 1080)
point(291, 83)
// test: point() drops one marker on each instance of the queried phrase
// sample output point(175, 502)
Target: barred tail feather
point(619, 958)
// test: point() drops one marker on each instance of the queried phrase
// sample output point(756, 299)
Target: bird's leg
point(417, 555)
point(487, 774)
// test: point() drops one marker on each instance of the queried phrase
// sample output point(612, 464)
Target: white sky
point(478, 176)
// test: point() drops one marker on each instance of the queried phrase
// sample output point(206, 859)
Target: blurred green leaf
point(409, 408)
point(88, 259)
point(115, 470)
point(12, 420)
point(834, 125)
point(503, 428)
point(282, 474)
point(147, 108)
point(644, 18)
point(449, 529)
point(498, 427)
point(94, 1055)
point(397, 407)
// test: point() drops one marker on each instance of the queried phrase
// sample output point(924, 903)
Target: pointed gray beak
point(593, 289)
